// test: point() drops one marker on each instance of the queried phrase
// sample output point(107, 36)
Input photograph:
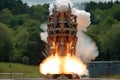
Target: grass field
point(116, 77)
point(24, 70)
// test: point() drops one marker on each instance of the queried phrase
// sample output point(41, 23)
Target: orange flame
point(62, 65)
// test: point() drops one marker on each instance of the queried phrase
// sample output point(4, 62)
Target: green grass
point(27, 70)
point(116, 77)
point(111, 77)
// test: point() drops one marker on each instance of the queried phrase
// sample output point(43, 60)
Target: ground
point(57, 79)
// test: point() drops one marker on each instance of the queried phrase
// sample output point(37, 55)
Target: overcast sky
point(34, 2)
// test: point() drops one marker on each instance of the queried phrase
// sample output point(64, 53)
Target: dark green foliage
point(91, 6)
point(5, 14)
point(39, 12)
point(5, 43)
point(24, 45)
point(111, 41)
point(116, 13)
point(28, 46)
point(101, 5)
point(105, 30)
point(16, 6)
point(103, 9)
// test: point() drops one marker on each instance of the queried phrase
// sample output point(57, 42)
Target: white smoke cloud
point(62, 5)
point(44, 27)
point(44, 34)
point(83, 19)
point(85, 47)
point(51, 6)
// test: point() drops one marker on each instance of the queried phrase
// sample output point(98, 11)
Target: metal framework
point(62, 30)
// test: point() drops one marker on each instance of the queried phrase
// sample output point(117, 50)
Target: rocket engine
point(62, 30)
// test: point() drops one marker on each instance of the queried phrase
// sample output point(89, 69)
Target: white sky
point(34, 2)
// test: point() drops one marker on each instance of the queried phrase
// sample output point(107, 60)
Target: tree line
point(105, 28)
point(20, 39)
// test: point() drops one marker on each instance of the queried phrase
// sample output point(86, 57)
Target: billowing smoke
point(62, 5)
point(85, 48)
point(44, 34)
point(83, 19)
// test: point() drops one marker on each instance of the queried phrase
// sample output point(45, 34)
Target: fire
point(50, 65)
point(62, 65)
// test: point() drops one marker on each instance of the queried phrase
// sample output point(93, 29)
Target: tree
point(108, 21)
point(15, 6)
point(116, 12)
point(104, 30)
point(110, 43)
point(22, 18)
point(15, 22)
point(5, 15)
point(40, 12)
point(5, 43)
point(28, 45)
point(91, 6)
